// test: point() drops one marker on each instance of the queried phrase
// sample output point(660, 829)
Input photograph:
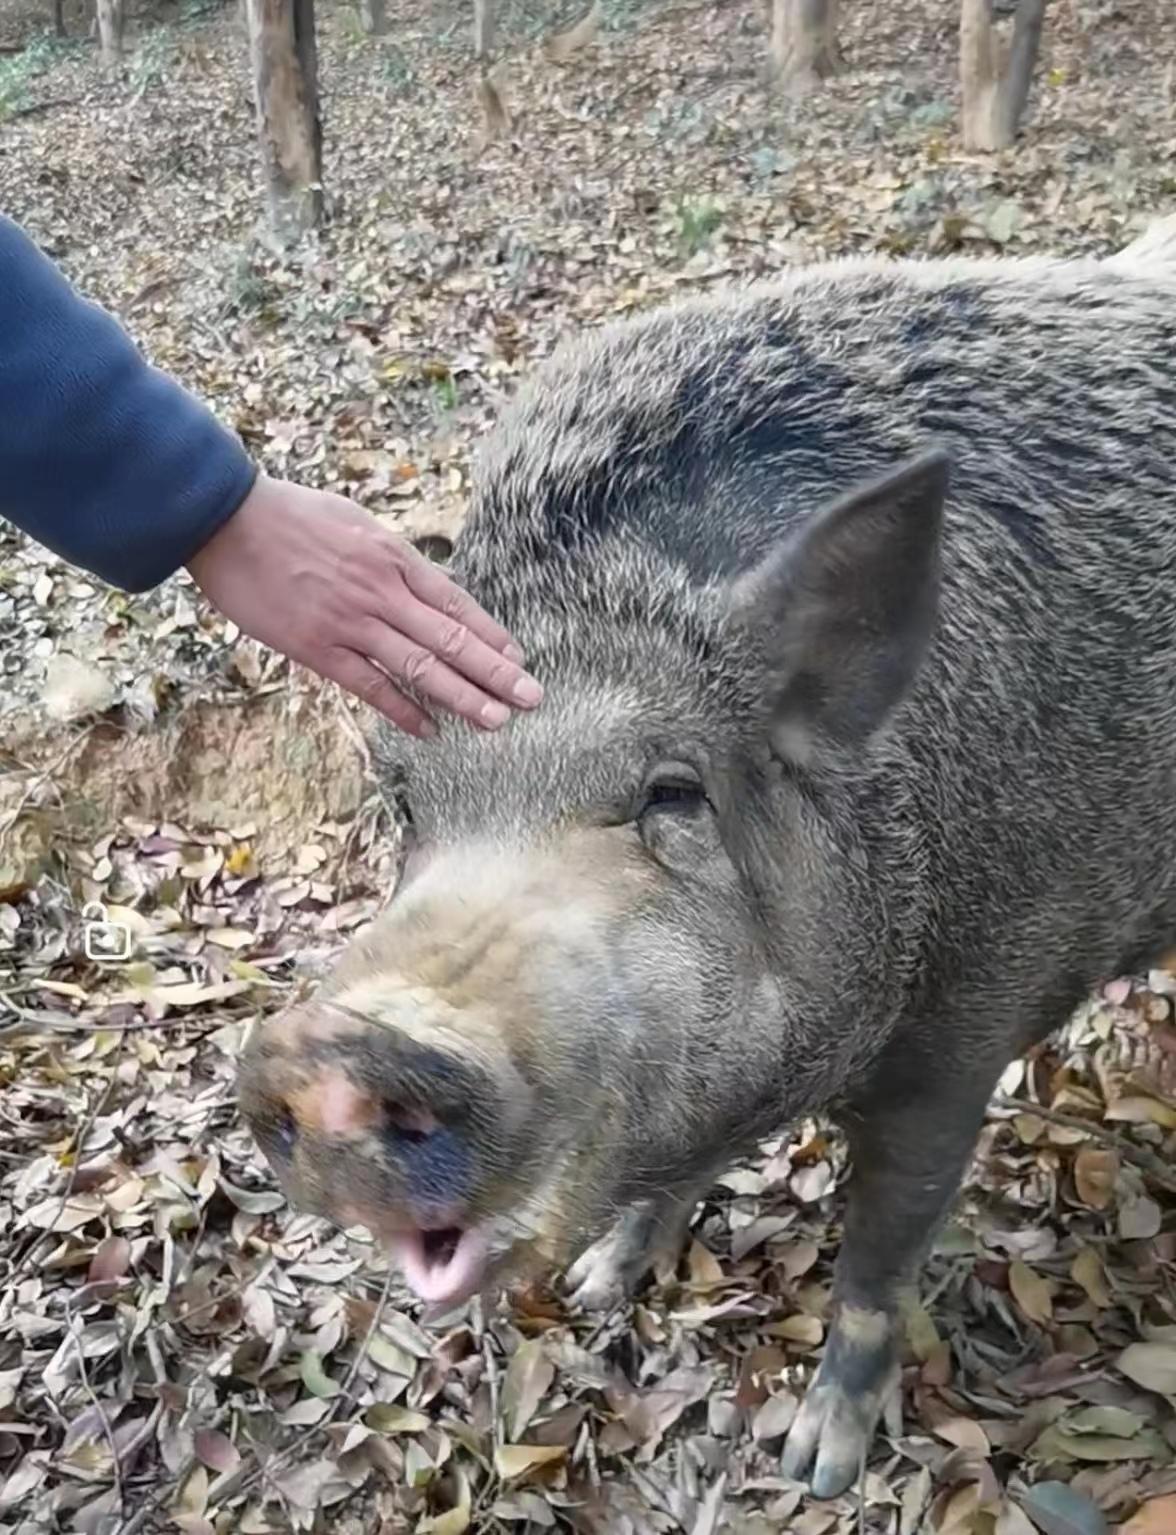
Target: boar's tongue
point(442, 1266)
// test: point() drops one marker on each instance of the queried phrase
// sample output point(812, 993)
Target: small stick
point(1145, 1160)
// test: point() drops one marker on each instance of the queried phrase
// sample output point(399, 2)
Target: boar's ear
point(844, 612)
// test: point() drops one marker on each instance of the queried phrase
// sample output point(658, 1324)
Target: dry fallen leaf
point(216, 1450)
point(1013, 1521)
point(1155, 1517)
point(1152, 1365)
point(1058, 1509)
point(1095, 1171)
point(515, 1460)
point(1087, 1270)
point(774, 1418)
point(965, 1434)
point(1142, 1110)
point(1139, 1219)
point(799, 1328)
point(705, 1269)
point(1032, 1292)
point(528, 1377)
point(110, 1260)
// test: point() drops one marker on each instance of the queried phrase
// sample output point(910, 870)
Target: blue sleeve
point(103, 459)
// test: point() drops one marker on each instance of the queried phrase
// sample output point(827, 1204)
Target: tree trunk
point(109, 15)
point(373, 17)
point(285, 85)
point(803, 47)
point(996, 72)
point(483, 27)
point(59, 17)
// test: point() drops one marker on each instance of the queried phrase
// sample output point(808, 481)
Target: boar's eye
point(404, 810)
point(676, 790)
point(408, 839)
point(283, 1132)
point(674, 822)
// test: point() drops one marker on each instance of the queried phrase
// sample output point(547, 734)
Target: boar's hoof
point(834, 1428)
point(609, 1272)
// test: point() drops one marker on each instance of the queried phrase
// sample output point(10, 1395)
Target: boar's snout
point(367, 1123)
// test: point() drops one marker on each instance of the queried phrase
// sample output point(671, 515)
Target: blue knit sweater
point(103, 459)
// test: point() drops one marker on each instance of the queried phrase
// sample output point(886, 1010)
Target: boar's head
point(634, 930)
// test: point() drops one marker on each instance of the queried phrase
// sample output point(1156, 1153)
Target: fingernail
point(494, 715)
point(527, 691)
point(513, 653)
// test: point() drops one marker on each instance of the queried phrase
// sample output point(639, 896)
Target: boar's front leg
point(910, 1139)
point(647, 1232)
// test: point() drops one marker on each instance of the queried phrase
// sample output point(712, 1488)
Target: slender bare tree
point(996, 71)
point(285, 84)
point(483, 28)
point(373, 17)
point(803, 48)
point(109, 15)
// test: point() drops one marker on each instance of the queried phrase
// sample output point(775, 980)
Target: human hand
point(314, 576)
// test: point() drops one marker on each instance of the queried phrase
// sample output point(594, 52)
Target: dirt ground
point(178, 1349)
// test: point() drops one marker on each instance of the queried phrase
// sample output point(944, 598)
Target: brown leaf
point(1139, 1219)
point(1095, 1171)
point(64, 1214)
point(965, 1434)
point(528, 1377)
point(1151, 1365)
point(1142, 1110)
point(216, 1450)
point(1087, 1270)
point(1155, 1517)
point(1012, 1521)
point(456, 1520)
point(799, 1328)
point(193, 1494)
point(389, 1418)
point(960, 1511)
point(796, 1259)
point(705, 1270)
point(304, 1483)
point(1032, 1293)
point(514, 1460)
point(110, 1260)
point(647, 1417)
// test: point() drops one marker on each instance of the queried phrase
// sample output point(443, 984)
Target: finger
point(429, 676)
point(437, 590)
point(464, 653)
point(366, 682)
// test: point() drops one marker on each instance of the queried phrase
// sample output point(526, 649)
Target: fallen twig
point(1145, 1160)
point(42, 106)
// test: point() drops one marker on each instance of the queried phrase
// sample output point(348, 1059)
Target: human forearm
point(103, 459)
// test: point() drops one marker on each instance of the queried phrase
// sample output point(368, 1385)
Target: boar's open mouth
point(442, 1266)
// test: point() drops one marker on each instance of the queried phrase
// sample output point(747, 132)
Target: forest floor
point(179, 1349)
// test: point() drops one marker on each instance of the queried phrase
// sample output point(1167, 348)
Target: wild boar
point(851, 594)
